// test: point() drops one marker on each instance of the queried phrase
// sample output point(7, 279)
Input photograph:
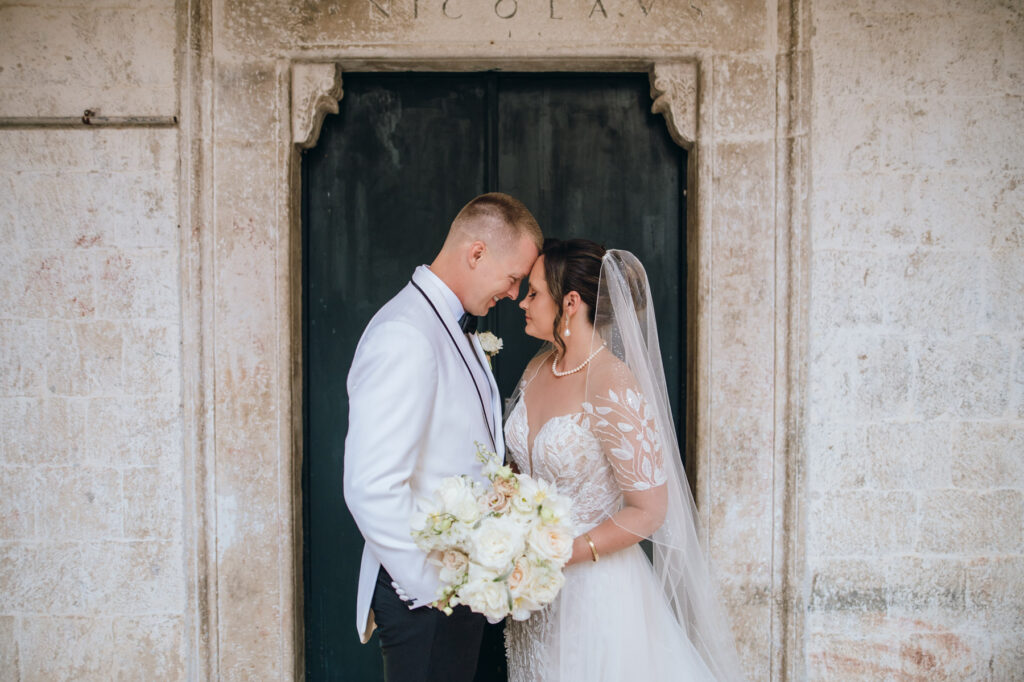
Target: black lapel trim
point(479, 395)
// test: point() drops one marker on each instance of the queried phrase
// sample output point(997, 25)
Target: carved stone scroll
point(674, 90)
point(316, 89)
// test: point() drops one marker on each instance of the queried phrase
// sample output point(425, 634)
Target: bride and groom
point(590, 414)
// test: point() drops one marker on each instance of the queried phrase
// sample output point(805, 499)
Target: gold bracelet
point(593, 549)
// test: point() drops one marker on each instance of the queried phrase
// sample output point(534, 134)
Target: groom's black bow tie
point(468, 323)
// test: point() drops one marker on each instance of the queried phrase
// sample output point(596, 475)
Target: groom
point(420, 396)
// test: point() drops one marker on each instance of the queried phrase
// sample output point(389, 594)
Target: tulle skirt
point(610, 622)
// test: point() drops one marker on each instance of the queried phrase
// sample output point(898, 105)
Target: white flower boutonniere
point(490, 343)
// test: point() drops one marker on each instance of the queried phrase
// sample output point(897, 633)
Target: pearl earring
point(567, 332)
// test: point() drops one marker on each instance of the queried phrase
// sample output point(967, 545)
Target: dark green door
point(405, 152)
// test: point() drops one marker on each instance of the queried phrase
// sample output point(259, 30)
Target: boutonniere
point(490, 344)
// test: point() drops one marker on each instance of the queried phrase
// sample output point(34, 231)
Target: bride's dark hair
point(572, 265)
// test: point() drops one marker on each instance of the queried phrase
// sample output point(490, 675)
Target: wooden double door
point(380, 189)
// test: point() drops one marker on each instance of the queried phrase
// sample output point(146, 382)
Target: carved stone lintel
point(674, 90)
point(316, 89)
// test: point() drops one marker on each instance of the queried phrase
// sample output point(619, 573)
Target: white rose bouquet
point(500, 549)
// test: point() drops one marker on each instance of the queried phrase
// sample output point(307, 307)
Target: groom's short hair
point(510, 221)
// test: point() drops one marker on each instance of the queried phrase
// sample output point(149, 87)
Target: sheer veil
point(626, 394)
point(625, 321)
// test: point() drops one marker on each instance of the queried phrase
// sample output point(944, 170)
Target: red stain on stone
point(87, 240)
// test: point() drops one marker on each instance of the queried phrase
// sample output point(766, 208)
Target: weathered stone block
point(930, 591)
point(151, 356)
point(838, 457)
point(886, 212)
point(854, 288)
point(1003, 272)
point(41, 577)
point(856, 54)
point(851, 658)
point(97, 67)
point(988, 455)
point(9, 662)
point(9, 211)
point(743, 181)
point(247, 101)
point(945, 656)
point(81, 503)
point(133, 431)
point(935, 291)
point(47, 285)
point(242, 216)
point(42, 431)
point(861, 523)
point(133, 577)
point(910, 455)
point(859, 376)
point(152, 503)
point(851, 585)
point(744, 96)
point(967, 522)
point(1008, 657)
point(85, 358)
point(1017, 380)
point(963, 377)
point(98, 208)
point(66, 648)
point(995, 592)
point(881, 375)
point(138, 285)
point(149, 648)
point(246, 601)
point(17, 503)
point(22, 357)
point(119, 648)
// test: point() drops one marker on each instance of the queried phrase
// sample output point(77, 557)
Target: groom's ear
point(475, 253)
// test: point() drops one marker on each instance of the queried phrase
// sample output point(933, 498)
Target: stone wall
point(864, 493)
point(915, 457)
point(92, 568)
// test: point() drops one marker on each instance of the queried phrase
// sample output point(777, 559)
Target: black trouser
point(424, 644)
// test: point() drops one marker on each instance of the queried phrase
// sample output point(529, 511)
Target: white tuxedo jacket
point(415, 412)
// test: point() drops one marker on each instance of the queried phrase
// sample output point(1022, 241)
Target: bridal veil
point(625, 405)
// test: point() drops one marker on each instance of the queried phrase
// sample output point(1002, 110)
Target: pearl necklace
point(554, 364)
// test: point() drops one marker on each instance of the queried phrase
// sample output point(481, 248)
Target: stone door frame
point(307, 86)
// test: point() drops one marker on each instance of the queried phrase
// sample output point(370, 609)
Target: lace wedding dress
point(611, 621)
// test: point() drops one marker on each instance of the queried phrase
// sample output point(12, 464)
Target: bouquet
point(501, 549)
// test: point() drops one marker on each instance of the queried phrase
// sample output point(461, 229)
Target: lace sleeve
point(624, 423)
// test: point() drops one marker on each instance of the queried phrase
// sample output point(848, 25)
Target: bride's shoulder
point(610, 373)
point(534, 365)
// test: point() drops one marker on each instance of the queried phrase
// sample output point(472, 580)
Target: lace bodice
point(609, 446)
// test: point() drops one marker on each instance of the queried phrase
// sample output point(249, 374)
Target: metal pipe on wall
point(88, 119)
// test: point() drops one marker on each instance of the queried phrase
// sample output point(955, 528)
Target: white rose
point(484, 593)
point(497, 541)
point(525, 499)
point(490, 343)
point(522, 607)
point(507, 486)
point(458, 497)
point(454, 565)
point(551, 542)
point(519, 578)
point(545, 585)
point(494, 502)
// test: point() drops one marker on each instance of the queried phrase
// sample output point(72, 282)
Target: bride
point(591, 413)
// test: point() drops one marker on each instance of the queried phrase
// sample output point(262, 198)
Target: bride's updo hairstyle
point(572, 265)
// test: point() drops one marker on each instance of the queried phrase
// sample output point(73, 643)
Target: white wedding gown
point(611, 620)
